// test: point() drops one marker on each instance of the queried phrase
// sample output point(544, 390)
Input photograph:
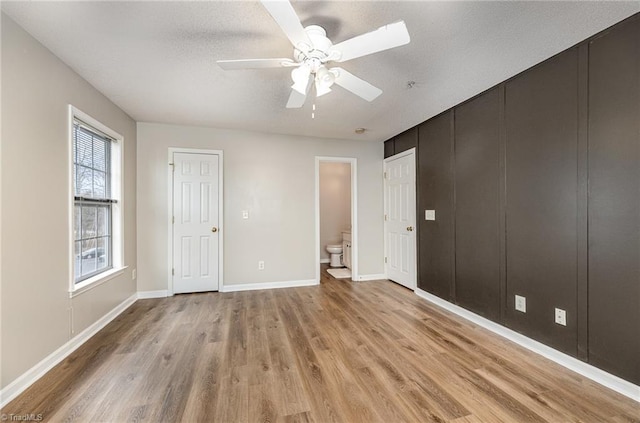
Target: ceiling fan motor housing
point(318, 53)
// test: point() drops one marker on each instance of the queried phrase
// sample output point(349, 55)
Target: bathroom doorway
point(336, 216)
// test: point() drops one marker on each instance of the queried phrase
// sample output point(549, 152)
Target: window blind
point(92, 164)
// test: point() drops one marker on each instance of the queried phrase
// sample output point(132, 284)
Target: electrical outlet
point(245, 214)
point(521, 303)
point(133, 274)
point(561, 317)
point(261, 265)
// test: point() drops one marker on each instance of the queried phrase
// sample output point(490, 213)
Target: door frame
point(354, 212)
point(410, 152)
point(170, 170)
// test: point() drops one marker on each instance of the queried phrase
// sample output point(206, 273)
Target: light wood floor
point(339, 352)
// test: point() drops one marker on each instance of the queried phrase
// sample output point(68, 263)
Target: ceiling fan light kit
point(313, 50)
point(300, 76)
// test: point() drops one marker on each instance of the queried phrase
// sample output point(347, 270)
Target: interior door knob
point(214, 229)
point(410, 228)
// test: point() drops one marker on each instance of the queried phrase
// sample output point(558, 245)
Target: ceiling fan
point(312, 51)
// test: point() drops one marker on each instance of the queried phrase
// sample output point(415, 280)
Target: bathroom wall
point(335, 203)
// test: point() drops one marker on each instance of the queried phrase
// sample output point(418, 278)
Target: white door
point(400, 219)
point(195, 224)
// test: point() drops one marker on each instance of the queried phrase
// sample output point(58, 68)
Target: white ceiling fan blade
point(358, 86)
point(383, 38)
point(255, 63)
point(297, 99)
point(284, 15)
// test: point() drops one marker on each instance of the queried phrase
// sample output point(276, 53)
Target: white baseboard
point(25, 380)
point(267, 285)
point(143, 295)
point(615, 383)
point(372, 277)
point(325, 260)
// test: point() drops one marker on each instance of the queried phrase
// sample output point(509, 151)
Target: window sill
point(97, 280)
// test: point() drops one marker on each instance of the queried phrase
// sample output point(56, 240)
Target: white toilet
point(336, 252)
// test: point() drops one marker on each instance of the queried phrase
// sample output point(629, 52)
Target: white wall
point(37, 314)
point(272, 176)
point(335, 203)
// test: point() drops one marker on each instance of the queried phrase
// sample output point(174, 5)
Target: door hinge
point(173, 167)
point(173, 272)
point(386, 217)
point(173, 219)
point(385, 259)
point(384, 175)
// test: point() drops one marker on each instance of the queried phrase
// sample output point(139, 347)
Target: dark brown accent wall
point(614, 201)
point(536, 187)
point(406, 140)
point(389, 148)
point(401, 142)
point(542, 137)
point(435, 176)
point(477, 203)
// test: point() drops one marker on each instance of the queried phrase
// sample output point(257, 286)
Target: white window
point(96, 185)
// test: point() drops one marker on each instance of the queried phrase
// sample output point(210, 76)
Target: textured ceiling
point(156, 60)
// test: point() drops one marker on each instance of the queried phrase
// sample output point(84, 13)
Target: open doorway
point(336, 216)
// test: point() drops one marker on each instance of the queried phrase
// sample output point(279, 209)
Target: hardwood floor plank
point(345, 390)
point(262, 407)
point(201, 404)
point(527, 397)
point(298, 418)
point(322, 400)
point(466, 419)
point(425, 393)
point(292, 397)
point(339, 352)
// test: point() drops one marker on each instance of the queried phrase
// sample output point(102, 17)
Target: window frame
point(117, 207)
point(92, 203)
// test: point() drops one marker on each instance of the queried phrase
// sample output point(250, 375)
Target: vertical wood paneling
point(582, 197)
point(436, 193)
point(406, 140)
point(614, 201)
point(541, 128)
point(477, 167)
point(502, 184)
point(389, 149)
point(452, 199)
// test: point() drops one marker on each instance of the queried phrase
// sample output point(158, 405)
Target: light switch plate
point(429, 215)
point(245, 214)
